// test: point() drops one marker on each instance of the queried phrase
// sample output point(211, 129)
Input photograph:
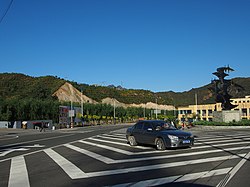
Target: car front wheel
point(160, 144)
point(132, 141)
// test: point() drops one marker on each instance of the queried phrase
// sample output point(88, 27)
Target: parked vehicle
point(159, 133)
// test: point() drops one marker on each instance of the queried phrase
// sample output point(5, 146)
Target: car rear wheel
point(160, 144)
point(132, 141)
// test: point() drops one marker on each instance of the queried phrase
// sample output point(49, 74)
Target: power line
point(6, 11)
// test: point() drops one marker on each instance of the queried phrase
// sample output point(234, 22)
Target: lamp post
point(71, 116)
point(81, 103)
point(144, 111)
point(114, 110)
point(156, 111)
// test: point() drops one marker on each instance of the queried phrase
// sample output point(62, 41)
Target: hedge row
point(233, 123)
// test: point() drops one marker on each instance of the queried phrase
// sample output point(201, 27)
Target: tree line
point(37, 109)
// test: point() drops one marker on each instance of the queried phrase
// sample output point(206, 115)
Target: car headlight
point(173, 138)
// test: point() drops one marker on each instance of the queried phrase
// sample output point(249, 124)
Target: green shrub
point(233, 123)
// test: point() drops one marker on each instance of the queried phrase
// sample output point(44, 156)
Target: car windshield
point(164, 126)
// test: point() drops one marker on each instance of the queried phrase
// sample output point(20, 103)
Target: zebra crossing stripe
point(91, 154)
point(18, 173)
point(224, 144)
point(221, 141)
point(70, 169)
point(111, 138)
point(154, 151)
point(117, 143)
point(161, 166)
point(107, 147)
point(75, 173)
point(239, 136)
point(197, 147)
point(178, 178)
point(231, 174)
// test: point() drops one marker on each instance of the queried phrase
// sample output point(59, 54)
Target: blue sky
point(157, 45)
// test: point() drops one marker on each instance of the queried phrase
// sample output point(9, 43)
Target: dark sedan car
point(159, 133)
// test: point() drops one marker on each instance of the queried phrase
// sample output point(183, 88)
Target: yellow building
point(205, 112)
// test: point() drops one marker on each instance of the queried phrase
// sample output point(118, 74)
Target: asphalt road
point(100, 156)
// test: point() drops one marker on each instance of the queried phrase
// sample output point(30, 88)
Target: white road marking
point(117, 143)
point(233, 171)
point(107, 147)
point(224, 140)
point(18, 173)
point(112, 138)
point(155, 151)
point(21, 148)
point(111, 161)
point(178, 178)
point(21, 143)
point(238, 136)
point(161, 166)
point(70, 169)
point(90, 154)
point(8, 137)
point(34, 146)
point(220, 145)
point(8, 151)
point(116, 135)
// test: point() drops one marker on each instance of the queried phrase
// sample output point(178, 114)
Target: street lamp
point(81, 103)
point(114, 110)
point(156, 111)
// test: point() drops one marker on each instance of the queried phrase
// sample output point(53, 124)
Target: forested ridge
point(20, 86)
point(26, 97)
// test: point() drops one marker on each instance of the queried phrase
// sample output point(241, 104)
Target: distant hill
point(19, 86)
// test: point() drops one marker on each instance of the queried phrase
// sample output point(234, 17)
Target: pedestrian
point(42, 127)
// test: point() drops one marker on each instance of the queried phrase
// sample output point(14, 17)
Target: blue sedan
point(159, 133)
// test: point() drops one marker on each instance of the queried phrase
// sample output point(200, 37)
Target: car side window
point(139, 125)
point(146, 126)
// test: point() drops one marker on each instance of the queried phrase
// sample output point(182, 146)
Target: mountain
point(69, 93)
point(20, 86)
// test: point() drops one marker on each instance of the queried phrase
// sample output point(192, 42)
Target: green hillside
point(20, 86)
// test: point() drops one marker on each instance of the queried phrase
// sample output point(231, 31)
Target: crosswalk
point(108, 160)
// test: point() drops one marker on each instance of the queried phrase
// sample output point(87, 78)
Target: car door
point(148, 133)
point(137, 132)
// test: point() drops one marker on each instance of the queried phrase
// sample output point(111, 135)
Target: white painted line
point(221, 141)
point(90, 154)
point(157, 157)
point(108, 148)
point(238, 136)
point(8, 137)
point(70, 169)
point(21, 143)
point(118, 143)
point(233, 171)
point(220, 145)
point(116, 135)
point(8, 151)
point(161, 166)
point(178, 178)
point(18, 173)
point(112, 138)
point(111, 161)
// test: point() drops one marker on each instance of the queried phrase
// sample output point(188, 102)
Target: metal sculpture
point(221, 88)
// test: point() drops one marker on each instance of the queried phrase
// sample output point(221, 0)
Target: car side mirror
point(150, 130)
